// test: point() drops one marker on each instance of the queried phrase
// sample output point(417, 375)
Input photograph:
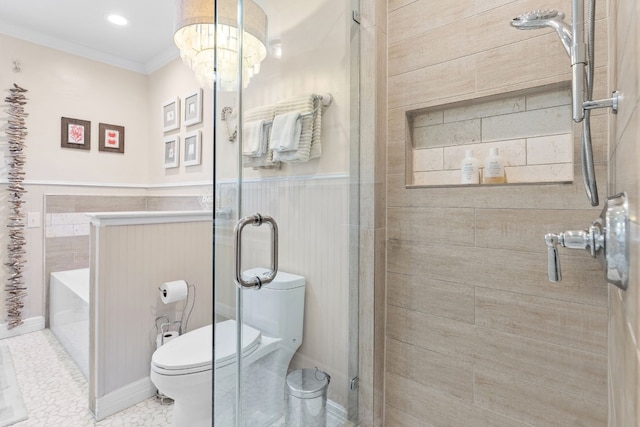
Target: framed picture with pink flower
point(75, 133)
point(111, 138)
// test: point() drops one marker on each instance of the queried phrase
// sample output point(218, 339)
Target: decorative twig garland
point(16, 131)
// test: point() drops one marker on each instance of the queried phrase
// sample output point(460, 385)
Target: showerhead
point(546, 18)
point(535, 19)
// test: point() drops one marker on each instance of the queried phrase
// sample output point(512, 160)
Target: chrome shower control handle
point(553, 260)
point(605, 239)
point(572, 239)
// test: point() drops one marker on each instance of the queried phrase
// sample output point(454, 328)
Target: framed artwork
point(75, 133)
point(192, 109)
point(192, 148)
point(111, 138)
point(171, 114)
point(171, 152)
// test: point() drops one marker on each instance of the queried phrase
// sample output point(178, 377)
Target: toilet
point(271, 333)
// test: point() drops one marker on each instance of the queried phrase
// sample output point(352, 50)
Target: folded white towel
point(285, 132)
point(310, 138)
point(264, 160)
point(254, 138)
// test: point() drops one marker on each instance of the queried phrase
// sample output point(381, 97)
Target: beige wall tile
point(434, 297)
point(395, 157)
point(497, 68)
point(417, 401)
point(436, 371)
point(550, 149)
point(540, 173)
point(479, 109)
point(448, 226)
point(499, 269)
point(423, 15)
point(428, 159)
point(438, 81)
point(574, 325)
point(548, 121)
point(524, 229)
point(513, 152)
point(447, 134)
point(436, 178)
point(427, 118)
point(552, 98)
point(576, 372)
point(438, 334)
point(534, 404)
point(396, 418)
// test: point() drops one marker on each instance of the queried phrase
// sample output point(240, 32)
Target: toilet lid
point(226, 341)
point(193, 349)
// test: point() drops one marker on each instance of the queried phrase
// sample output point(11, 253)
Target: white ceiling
point(144, 45)
point(80, 27)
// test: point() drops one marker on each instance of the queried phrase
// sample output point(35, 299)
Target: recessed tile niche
point(532, 130)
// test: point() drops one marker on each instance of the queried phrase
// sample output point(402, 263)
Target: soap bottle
point(469, 169)
point(493, 168)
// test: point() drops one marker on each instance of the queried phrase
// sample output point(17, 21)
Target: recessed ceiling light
point(117, 19)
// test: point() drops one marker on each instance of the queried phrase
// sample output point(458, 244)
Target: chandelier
point(196, 33)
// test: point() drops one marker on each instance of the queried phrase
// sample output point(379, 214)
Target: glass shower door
point(284, 151)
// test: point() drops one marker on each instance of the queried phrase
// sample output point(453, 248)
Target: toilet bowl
point(182, 368)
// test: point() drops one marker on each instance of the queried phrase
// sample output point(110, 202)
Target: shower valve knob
point(605, 239)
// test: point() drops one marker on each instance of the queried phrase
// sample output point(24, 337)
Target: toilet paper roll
point(173, 291)
point(166, 337)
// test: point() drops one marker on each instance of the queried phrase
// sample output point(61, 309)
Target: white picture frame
point(171, 114)
point(192, 148)
point(171, 152)
point(192, 108)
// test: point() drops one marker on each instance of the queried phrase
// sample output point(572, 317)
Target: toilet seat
point(191, 352)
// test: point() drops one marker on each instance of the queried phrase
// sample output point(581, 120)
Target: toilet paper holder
point(184, 316)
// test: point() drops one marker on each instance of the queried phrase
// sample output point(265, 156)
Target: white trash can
point(307, 398)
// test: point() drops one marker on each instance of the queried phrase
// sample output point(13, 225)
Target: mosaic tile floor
point(55, 391)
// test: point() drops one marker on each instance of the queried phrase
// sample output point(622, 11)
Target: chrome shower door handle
point(255, 282)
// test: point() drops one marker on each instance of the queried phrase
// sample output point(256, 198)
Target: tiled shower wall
point(624, 321)
point(475, 333)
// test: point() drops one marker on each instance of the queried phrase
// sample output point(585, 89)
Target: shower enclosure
point(300, 60)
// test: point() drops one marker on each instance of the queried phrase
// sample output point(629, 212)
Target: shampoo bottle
point(493, 168)
point(469, 169)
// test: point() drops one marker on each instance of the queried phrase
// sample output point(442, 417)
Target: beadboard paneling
point(313, 222)
point(131, 261)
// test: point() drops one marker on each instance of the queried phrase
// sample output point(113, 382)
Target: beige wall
point(475, 333)
point(624, 322)
point(65, 85)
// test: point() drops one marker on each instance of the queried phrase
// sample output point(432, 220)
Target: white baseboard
point(124, 398)
point(336, 413)
point(31, 324)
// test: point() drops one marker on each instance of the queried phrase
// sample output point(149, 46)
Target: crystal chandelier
point(195, 36)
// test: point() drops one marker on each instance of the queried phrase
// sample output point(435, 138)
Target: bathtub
point(69, 313)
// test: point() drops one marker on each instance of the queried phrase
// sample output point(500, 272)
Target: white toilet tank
point(277, 309)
